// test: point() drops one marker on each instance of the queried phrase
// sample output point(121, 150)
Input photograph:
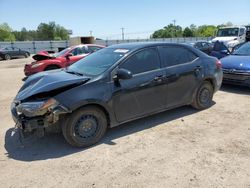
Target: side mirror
point(123, 74)
point(68, 55)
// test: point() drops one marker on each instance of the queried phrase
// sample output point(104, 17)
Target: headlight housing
point(38, 108)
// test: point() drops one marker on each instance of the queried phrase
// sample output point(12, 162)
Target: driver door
point(144, 93)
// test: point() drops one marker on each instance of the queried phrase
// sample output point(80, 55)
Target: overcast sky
point(105, 18)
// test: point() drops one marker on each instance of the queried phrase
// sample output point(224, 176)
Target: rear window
point(175, 55)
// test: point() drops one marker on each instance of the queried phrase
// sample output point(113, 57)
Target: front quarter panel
point(92, 93)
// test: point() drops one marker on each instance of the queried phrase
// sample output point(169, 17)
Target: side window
point(174, 55)
point(204, 44)
point(93, 49)
point(79, 51)
point(198, 45)
point(143, 61)
point(242, 31)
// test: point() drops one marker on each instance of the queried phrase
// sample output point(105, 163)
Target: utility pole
point(90, 32)
point(174, 22)
point(122, 33)
point(174, 27)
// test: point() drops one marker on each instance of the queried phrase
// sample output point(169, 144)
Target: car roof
point(81, 45)
point(138, 45)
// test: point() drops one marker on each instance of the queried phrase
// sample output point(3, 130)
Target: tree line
point(172, 31)
point(44, 31)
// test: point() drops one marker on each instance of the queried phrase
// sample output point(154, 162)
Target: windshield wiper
point(74, 72)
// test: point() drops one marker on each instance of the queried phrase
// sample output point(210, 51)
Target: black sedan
point(13, 52)
point(203, 46)
point(115, 85)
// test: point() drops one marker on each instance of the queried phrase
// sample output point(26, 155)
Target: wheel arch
point(211, 81)
point(100, 106)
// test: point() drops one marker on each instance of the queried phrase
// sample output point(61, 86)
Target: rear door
point(16, 52)
point(184, 71)
point(144, 92)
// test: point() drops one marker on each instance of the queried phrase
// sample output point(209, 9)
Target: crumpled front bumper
point(28, 124)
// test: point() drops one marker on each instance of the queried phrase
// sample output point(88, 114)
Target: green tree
point(46, 31)
point(6, 33)
point(168, 32)
point(206, 30)
point(188, 32)
point(61, 33)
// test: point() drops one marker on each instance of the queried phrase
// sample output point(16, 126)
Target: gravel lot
point(177, 148)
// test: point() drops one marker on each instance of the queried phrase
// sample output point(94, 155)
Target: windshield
point(61, 53)
point(243, 50)
point(228, 32)
point(98, 62)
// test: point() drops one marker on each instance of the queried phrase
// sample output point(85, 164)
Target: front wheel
point(85, 127)
point(204, 96)
point(7, 57)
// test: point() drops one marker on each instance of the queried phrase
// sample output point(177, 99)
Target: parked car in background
point(231, 36)
point(203, 46)
point(219, 50)
point(45, 61)
point(236, 67)
point(8, 53)
point(115, 85)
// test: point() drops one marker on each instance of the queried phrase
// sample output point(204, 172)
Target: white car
point(231, 36)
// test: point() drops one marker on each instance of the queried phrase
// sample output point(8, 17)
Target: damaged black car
point(113, 86)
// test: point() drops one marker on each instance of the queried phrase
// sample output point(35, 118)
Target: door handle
point(159, 78)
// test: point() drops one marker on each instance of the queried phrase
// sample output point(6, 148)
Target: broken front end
point(36, 116)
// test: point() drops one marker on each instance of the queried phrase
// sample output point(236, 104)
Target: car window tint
point(174, 55)
point(93, 49)
point(79, 51)
point(242, 31)
point(198, 45)
point(143, 61)
point(204, 44)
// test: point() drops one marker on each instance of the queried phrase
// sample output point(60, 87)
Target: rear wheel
point(7, 57)
point(204, 96)
point(85, 127)
point(51, 67)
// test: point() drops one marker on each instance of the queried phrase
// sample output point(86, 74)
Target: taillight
point(218, 64)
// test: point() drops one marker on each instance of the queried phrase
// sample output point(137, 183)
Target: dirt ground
point(177, 148)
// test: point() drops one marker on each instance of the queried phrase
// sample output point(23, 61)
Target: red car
point(45, 61)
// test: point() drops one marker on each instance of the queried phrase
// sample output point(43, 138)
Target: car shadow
point(235, 89)
point(54, 146)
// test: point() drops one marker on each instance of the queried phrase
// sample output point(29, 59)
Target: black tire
point(7, 57)
point(204, 96)
point(51, 67)
point(26, 55)
point(85, 127)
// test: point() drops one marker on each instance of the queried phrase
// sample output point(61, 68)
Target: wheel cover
point(86, 126)
point(204, 96)
point(7, 56)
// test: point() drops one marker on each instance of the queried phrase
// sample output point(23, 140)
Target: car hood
point(224, 39)
point(49, 83)
point(42, 55)
point(236, 62)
